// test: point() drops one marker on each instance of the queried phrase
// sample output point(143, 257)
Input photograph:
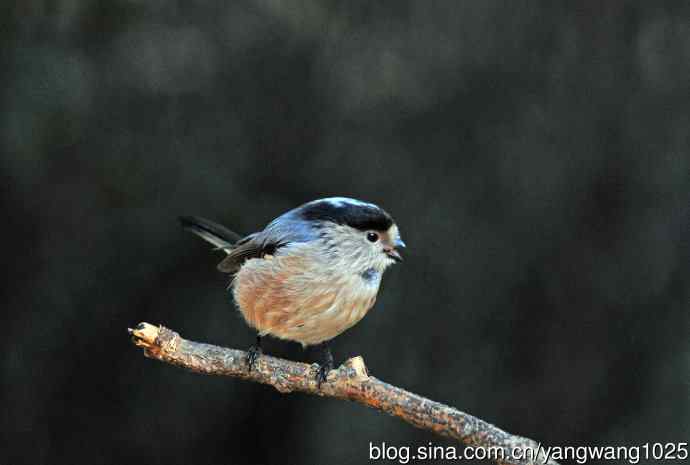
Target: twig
point(350, 381)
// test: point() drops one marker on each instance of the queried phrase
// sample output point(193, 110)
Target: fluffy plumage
point(313, 272)
point(297, 296)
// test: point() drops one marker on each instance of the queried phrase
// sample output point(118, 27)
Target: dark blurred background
point(535, 155)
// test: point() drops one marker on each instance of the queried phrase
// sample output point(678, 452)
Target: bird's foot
point(253, 354)
point(325, 366)
point(322, 374)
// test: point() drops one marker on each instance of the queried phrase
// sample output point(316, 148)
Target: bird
point(310, 274)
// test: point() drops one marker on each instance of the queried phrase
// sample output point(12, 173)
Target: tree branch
point(350, 381)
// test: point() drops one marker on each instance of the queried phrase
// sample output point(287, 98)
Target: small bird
point(310, 274)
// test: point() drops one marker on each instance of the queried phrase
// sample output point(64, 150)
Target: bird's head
point(362, 233)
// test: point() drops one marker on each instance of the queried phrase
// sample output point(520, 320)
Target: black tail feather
point(218, 235)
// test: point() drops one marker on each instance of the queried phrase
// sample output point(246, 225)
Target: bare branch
point(350, 381)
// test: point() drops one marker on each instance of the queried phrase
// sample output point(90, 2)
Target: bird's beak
point(393, 252)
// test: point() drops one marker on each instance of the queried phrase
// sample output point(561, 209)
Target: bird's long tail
point(218, 235)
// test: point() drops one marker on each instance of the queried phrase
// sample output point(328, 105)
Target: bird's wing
point(287, 229)
point(237, 247)
point(245, 249)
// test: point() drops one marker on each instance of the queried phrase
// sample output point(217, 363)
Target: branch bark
point(350, 381)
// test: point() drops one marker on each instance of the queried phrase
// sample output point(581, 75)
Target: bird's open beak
point(394, 252)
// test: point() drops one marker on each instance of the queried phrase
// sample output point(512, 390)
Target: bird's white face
point(359, 251)
point(385, 245)
point(351, 236)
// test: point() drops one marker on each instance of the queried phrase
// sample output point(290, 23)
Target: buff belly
point(286, 298)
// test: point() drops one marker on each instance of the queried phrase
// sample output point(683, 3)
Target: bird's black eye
point(372, 237)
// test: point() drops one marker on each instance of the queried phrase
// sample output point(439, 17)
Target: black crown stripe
point(358, 216)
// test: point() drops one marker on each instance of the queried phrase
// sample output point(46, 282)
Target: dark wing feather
point(240, 249)
point(287, 229)
point(246, 249)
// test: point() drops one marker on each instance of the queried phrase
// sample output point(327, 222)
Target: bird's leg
point(326, 364)
point(253, 353)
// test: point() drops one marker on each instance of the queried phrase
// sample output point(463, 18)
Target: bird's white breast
point(300, 297)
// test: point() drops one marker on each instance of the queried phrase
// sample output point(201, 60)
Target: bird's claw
point(322, 374)
point(325, 366)
point(252, 356)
